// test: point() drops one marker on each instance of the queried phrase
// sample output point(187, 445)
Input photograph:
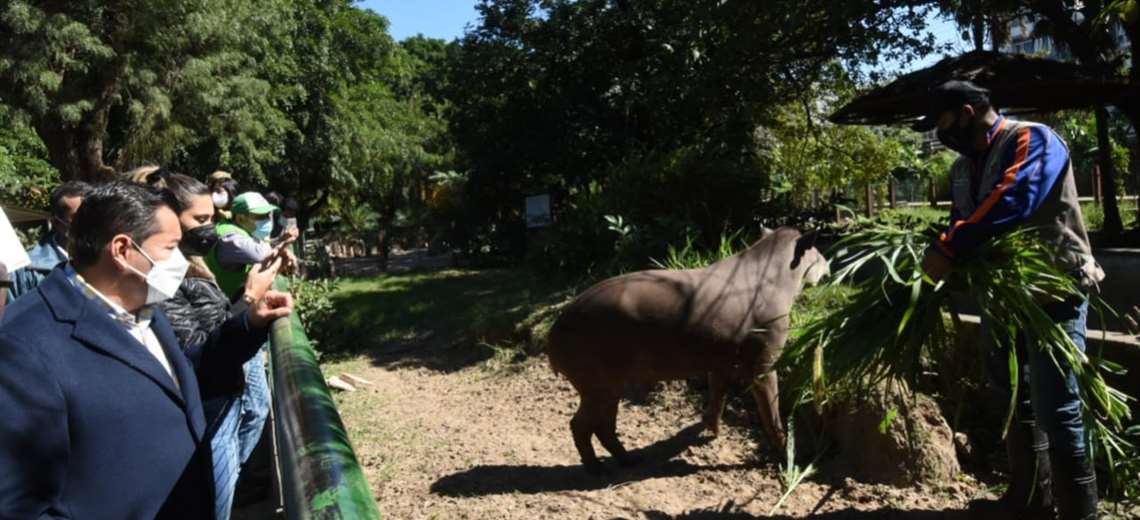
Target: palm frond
point(895, 318)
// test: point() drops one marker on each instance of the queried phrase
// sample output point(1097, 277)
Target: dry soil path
point(480, 441)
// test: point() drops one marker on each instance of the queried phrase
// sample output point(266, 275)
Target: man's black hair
point(66, 190)
point(115, 208)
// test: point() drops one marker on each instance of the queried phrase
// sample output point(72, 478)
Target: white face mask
point(164, 277)
point(220, 199)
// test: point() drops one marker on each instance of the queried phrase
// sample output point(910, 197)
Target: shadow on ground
point(529, 479)
point(849, 514)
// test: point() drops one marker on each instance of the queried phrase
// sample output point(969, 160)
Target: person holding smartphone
point(243, 242)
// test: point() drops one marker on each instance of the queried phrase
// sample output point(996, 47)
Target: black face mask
point(957, 138)
point(198, 241)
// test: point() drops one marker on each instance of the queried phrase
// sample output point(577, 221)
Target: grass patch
point(1094, 214)
point(499, 307)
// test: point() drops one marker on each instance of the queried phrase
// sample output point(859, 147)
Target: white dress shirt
point(138, 326)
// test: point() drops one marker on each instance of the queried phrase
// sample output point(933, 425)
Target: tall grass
point(689, 256)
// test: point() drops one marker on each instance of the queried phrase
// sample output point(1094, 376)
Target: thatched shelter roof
point(21, 215)
point(1018, 84)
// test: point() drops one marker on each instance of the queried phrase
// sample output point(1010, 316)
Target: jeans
point(1045, 393)
point(255, 402)
point(224, 450)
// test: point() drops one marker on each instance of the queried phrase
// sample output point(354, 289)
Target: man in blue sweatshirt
point(1013, 174)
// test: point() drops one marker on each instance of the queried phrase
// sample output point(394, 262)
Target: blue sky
point(446, 19)
point(433, 18)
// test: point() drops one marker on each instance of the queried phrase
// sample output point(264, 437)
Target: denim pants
point(255, 403)
point(1045, 393)
point(239, 419)
point(224, 450)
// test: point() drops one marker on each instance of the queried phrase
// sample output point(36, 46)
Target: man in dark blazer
point(100, 412)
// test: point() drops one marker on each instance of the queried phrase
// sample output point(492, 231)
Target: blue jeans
point(255, 402)
point(225, 452)
point(1045, 393)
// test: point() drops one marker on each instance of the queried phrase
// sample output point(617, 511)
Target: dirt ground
point(488, 440)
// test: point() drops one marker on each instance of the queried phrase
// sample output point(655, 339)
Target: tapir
point(728, 321)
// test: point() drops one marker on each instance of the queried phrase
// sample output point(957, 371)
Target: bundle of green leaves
point(894, 320)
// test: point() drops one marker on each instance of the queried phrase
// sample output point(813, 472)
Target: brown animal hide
point(728, 320)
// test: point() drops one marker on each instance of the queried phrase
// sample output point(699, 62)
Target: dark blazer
point(91, 425)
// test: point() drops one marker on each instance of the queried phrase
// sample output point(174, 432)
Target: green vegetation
point(445, 308)
point(893, 324)
point(314, 307)
point(1094, 214)
point(688, 256)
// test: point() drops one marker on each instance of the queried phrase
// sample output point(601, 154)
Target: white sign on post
point(12, 253)
point(538, 211)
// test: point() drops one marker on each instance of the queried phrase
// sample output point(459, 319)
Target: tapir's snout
point(818, 268)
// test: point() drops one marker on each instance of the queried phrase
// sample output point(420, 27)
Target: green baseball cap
point(252, 203)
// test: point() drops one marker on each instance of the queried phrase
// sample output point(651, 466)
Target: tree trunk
point(1112, 222)
point(77, 152)
point(76, 149)
point(999, 32)
point(979, 31)
point(870, 200)
point(386, 238)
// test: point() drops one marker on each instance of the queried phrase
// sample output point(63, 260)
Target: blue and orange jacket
point(1024, 178)
point(1024, 172)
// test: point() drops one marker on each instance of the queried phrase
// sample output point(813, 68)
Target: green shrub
point(314, 307)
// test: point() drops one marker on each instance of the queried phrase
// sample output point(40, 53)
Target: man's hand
point(935, 264)
point(273, 305)
point(260, 279)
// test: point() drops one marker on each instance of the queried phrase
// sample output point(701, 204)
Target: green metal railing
point(320, 476)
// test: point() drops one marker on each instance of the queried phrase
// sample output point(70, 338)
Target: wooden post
point(893, 191)
point(1096, 183)
point(870, 200)
point(933, 192)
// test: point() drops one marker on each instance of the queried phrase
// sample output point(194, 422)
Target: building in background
point(1024, 39)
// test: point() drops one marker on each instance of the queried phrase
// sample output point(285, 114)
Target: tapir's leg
point(583, 425)
point(718, 384)
point(607, 433)
point(766, 391)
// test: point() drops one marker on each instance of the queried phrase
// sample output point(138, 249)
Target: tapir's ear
point(803, 243)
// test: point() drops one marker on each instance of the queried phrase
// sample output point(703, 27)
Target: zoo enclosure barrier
point(320, 475)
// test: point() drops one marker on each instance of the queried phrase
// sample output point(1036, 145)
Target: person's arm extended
point(34, 445)
point(237, 249)
point(1031, 169)
point(239, 337)
point(229, 345)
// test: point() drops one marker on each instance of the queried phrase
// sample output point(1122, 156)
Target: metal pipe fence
point(320, 475)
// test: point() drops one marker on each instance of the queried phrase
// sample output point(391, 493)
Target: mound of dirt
point(893, 438)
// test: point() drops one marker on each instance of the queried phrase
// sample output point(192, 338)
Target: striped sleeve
point(1030, 170)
